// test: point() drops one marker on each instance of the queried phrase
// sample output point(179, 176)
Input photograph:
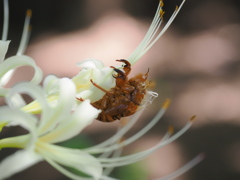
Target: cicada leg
point(121, 78)
point(80, 99)
point(105, 118)
point(126, 67)
point(99, 87)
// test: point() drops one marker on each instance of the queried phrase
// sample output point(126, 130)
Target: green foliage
point(133, 171)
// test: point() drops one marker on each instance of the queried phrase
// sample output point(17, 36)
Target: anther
point(170, 130)
point(161, 3)
point(166, 104)
point(193, 118)
point(29, 13)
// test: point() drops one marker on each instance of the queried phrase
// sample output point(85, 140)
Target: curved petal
point(66, 100)
point(32, 90)
point(17, 162)
point(16, 101)
point(51, 84)
point(72, 158)
point(25, 120)
point(85, 88)
point(17, 61)
point(3, 49)
point(24, 158)
point(51, 88)
point(83, 116)
point(90, 63)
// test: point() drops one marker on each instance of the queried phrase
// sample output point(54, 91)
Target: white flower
point(58, 123)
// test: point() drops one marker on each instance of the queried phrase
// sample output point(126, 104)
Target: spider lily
point(58, 123)
point(55, 124)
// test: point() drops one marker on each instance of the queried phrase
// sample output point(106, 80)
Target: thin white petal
point(25, 120)
point(51, 84)
point(83, 116)
point(71, 175)
point(93, 69)
point(60, 112)
point(17, 162)
point(64, 171)
point(32, 90)
point(17, 61)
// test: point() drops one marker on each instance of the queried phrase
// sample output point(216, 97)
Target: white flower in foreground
point(58, 123)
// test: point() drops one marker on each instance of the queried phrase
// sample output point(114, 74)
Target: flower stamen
point(5, 20)
point(26, 33)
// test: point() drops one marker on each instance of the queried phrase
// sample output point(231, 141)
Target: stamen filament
point(25, 34)
point(118, 135)
point(149, 40)
point(140, 133)
point(141, 155)
point(184, 168)
point(5, 20)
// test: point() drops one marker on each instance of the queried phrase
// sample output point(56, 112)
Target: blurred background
point(196, 63)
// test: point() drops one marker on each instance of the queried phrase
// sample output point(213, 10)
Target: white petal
point(3, 49)
point(51, 89)
point(85, 88)
point(17, 61)
point(95, 70)
point(83, 116)
point(90, 63)
point(60, 112)
point(32, 90)
point(16, 101)
point(72, 158)
point(17, 162)
point(25, 120)
point(51, 84)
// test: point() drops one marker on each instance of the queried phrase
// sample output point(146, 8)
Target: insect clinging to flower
point(125, 98)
